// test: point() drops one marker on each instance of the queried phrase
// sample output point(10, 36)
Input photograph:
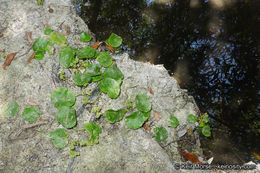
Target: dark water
point(212, 49)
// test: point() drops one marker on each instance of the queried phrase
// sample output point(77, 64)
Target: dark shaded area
point(214, 53)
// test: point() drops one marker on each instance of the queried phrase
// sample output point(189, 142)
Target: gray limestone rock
point(27, 148)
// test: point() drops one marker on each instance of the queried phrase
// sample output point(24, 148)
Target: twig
point(60, 26)
point(24, 53)
point(35, 125)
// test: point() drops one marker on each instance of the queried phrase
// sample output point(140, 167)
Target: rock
point(120, 149)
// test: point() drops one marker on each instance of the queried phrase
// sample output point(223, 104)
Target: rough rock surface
point(27, 148)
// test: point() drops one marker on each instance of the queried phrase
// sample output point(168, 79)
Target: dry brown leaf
point(31, 57)
point(191, 157)
point(1, 34)
point(67, 29)
point(2, 50)
point(190, 131)
point(50, 9)
point(256, 155)
point(157, 115)
point(96, 45)
point(28, 37)
point(47, 26)
point(32, 103)
point(147, 128)
point(9, 58)
point(150, 90)
point(109, 47)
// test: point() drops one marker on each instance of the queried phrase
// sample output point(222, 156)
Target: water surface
point(210, 46)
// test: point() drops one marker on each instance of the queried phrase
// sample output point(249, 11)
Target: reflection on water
point(210, 46)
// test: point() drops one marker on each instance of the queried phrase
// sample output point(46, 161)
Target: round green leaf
point(115, 116)
point(10, 109)
point(62, 97)
point(174, 122)
point(84, 37)
point(110, 86)
point(192, 118)
point(40, 44)
point(87, 52)
point(93, 70)
point(142, 103)
point(66, 57)
point(114, 73)
point(31, 114)
point(58, 38)
point(39, 55)
point(206, 131)
point(48, 31)
point(59, 137)
point(66, 116)
point(81, 79)
point(104, 59)
point(160, 133)
point(114, 40)
point(135, 120)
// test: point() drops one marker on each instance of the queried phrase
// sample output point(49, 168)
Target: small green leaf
point(58, 38)
point(72, 147)
point(40, 44)
point(49, 48)
point(115, 116)
point(114, 73)
point(129, 104)
point(201, 123)
point(97, 78)
point(81, 79)
point(192, 118)
point(114, 40)
point(31, 114)
point(94, 130)
point(62, 97)
point(142, 103)
point(66, 116)
point(174, 122)
point(66, 57)
point(135, 120)
point(206, 131)
point(84, 37)
point(104, 59)
point(59, 137)
point(93, 70)
point(110, 86)
point(146, 115)
point(39, 55)
point(48, 31)
point(87, 52)
point(160, 133)
point(205, 118)
point(10, 109)
point(40, 2)
point(74, 154)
